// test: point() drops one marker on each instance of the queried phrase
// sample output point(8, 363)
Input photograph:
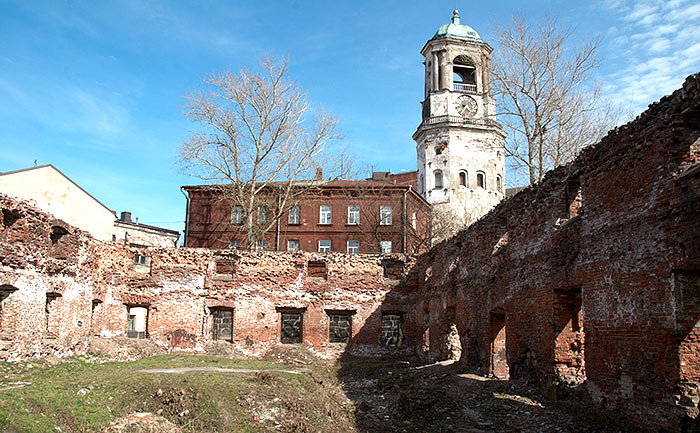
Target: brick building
point(382, 214)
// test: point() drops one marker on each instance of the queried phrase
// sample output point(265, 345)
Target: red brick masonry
point(591, 279)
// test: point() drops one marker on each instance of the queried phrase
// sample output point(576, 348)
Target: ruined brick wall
point(590, 277)
point(59, 287)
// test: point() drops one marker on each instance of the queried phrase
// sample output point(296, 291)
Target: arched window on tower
point(480, 180)
point(438, 179)
point(462, 178)
point(498, 183)
point(464, 74)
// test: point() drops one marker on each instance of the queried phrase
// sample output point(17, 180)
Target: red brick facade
point(590, 278)
point(210, 223)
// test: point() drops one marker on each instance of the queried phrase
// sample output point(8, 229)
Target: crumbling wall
point(59, 287)
point(590, 277)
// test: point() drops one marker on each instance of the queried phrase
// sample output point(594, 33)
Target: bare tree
point(543, 95)
point(260, 143)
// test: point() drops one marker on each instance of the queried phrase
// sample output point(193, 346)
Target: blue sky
point(96, 88)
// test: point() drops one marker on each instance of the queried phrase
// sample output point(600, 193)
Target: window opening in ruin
point(139, 259)
point(51, 313)
point(222, 324)
point(237, 215)
point(293, 245)
point(9, 217)
point(574, 199)
point(464, 74)
point(438, 150)
point(93, 313)
point(226, 265)
point(137, 322)
point(498, 183)
point(385, 247)
point(324, 246)
point(686, 286)
point(462, 178)
point(57, 232)
point(480, 180)
point(393, 269)
point(339, 326)
point(499, 360)
point(438, 179)
point(353, 214)
point(568, 336)
point(325, 214)
point(263, 213)
point(317, 269)
point(392, 329)
point(291, 326)
point(385, 215)
point(5, 292)
point(353, 246)
point(294, 215)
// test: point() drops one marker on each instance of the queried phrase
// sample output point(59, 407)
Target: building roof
point(456, 30)
point(62, 174)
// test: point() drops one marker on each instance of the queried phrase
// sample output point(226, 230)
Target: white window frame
point(263, 214)
point(325, 214)
point(355, 249)
point(385, 247)
point(324, 248)
point(261, 245)
point(385, 215)
point(413, 220)
point(237, 215)
point(294, 215)
point(290, 243)
point(354, 214)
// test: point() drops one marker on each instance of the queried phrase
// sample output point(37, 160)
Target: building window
point(263, 213)
point(464, 74)
point(385, 215)
point(136, 322)
point(5, 292)
point(480, 180)
point(325, 216)
point(222, 324)
point(290, 327)
point(498, 183)
point(51, 313)
point(353, 247)
point(139, 259)
point(413, 221)
point(237, 215)
point(420, 184)
point(339, 327)
point(324, 246)
point(294, 215)
point(438, 150)
point(462, 178)
point(234, 243)
point(293, 245)
point(385, 247)
point(261, 245)
point(438, 179)
point(392, 330)
point(353, 214)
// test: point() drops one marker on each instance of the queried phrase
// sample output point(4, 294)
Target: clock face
point(466, 106)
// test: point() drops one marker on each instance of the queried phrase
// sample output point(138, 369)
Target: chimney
point(126, 217)
point(319, 173)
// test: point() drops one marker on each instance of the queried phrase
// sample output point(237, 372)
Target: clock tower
point(461, 161)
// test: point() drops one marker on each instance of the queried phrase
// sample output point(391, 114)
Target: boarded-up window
point(392, 330)
point(225, 265)
point(222, 324)
point(290, 327)
point(317, 269)
point(339, 327)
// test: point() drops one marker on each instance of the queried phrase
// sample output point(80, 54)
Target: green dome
point(456, 30)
